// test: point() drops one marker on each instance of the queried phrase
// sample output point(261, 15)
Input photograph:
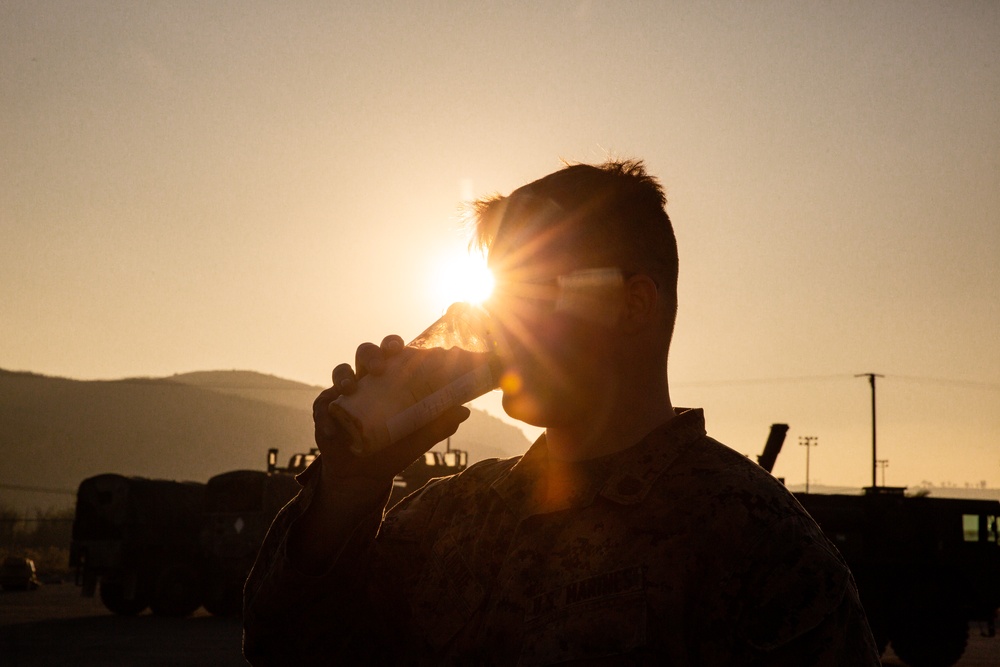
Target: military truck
point(240, 506)
point(432, 464)
point(925, 567)
point(174, 546)
point(134, 537)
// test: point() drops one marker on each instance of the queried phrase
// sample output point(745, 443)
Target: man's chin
point(523, 407)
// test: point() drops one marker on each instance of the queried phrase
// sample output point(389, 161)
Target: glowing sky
point(214, 185)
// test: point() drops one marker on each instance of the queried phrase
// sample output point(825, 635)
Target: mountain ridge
point(55, 432)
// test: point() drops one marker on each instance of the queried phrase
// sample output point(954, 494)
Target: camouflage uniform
point(677, 551)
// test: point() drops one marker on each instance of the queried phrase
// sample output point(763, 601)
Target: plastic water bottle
point(454, 361)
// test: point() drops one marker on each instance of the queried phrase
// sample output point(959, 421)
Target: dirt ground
point(55, 626)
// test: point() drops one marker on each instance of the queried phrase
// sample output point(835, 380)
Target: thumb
point(407, 450)
point(392, 460)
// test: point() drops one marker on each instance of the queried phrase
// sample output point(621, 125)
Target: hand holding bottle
point(334, 438)
point(351, 487)
point(399, 391)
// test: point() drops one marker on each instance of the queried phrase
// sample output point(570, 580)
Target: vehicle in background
point(432, 464)
point(18, 574)
point(134, 538)
point(925, 567)
point(175, 546)
point(239, 508)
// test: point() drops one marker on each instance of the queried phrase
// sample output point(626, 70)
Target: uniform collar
point(624, 477)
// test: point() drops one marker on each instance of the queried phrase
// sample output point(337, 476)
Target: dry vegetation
point(44, 538)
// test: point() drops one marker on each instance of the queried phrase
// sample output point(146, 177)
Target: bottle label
point(473, 384)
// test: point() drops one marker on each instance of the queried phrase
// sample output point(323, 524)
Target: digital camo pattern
point(678, 551)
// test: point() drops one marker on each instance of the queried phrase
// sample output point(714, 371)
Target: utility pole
point(871, 379)
point(883, 464)
point(808, 441)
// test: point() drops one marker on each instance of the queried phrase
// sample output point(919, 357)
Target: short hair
point(617, 207)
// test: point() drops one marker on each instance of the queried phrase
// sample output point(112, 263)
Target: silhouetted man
point(623, 535)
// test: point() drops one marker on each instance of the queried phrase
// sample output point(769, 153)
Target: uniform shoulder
point(487, 469)
point(710, 458)
point(477, 476)
point(722, 487)
point(412, 517)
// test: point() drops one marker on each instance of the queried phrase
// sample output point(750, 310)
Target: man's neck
point(608, 431)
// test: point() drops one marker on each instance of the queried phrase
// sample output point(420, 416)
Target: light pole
point(871, 379)
point(883, 464)
point(808, 441)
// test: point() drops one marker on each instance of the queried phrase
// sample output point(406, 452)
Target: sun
point(462, 277)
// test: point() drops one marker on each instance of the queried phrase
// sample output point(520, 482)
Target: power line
point(968, 384)
point(776, 380)
point(37, 489)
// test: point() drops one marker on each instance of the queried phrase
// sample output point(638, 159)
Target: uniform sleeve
point(293, 618)
point(800, 603)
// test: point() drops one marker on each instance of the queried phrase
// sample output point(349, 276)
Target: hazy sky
point(215, 185)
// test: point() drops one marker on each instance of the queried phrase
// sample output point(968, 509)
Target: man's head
point(615, 210)
point(542, 240)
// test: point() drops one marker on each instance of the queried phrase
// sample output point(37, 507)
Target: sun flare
point(463, 277)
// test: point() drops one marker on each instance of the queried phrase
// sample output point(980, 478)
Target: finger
point(325, 398)
point(322, 421)
point(447, 424)
point(389, 462)
point(392, 345)
point(344, 378)
point(369, 358)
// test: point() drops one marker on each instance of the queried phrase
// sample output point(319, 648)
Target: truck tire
point(177, 592)
point(112, 591)
point(931, 639)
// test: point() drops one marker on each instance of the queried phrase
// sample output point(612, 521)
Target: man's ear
point(641, 303)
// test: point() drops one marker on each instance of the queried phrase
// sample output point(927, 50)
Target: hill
point(253, 386)
point(55, 432)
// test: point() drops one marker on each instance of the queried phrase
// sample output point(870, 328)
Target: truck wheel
point(177, 592)
point(112, 592)
point(933, 640)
